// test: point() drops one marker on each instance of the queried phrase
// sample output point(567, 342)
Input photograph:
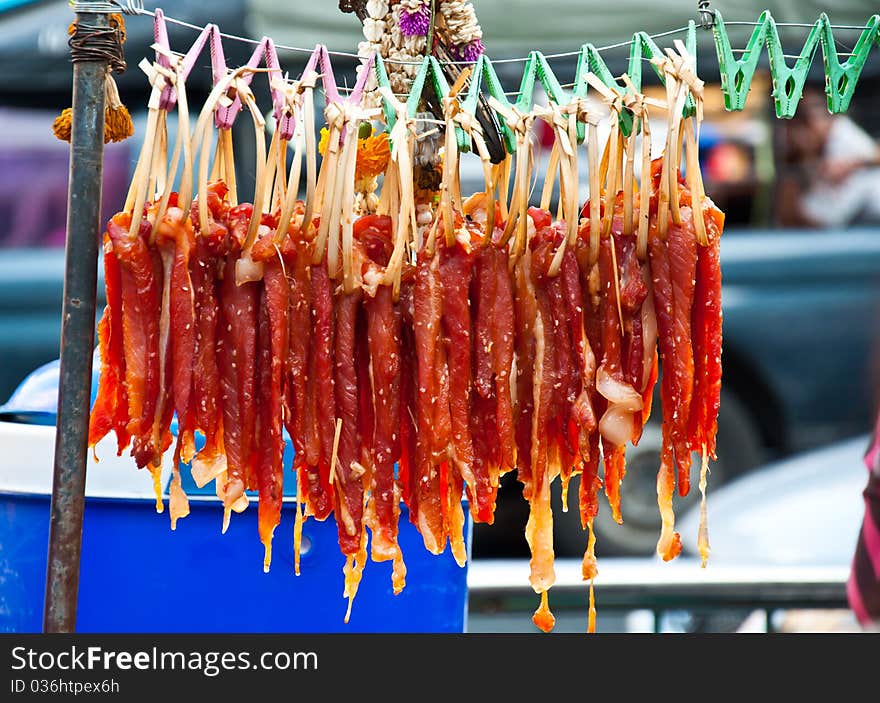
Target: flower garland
point(398, 31)
point(463, 33)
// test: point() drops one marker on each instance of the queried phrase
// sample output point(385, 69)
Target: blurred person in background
point(830, 171)
point(863, 586)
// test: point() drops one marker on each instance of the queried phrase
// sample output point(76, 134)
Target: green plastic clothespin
point(484, 72)
point(841, 78)
point(430, 67)
point(788, 81)
point(644, 47)
point(382, 80)
point(737, 74)
point(591, 61)
point(536, 67)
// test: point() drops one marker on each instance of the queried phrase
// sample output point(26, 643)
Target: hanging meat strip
point(408, 398)
point(299, 396)
point(669, 544)
point(646, 378)
point(581, 412)
point(673, 268)
point(175, 240)
point(456, 270)
point(622, 291)
point(538, 374)
point(681, 245)
point(206, 265)
point(525, 307)
point(237, 354)
point(383, 333)
point(141, 285)
point(272, 355)
point(706, 326)
point(491, 411)
point(320, 391)
point(591, 483)
point(383, 322)
point(348, 502)
point(433, 420)
point(110, 409)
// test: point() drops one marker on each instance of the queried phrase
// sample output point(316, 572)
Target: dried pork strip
point(321, 391)
point(409, 408)
point(273, 342)
point(175, 239)
point(503, 344)
point(348, 503)
point(706, 323)
point(110, 409)
point(456, 266)
point(141, 300)
point(433, 434)
point(384, 339)
point(237, 353)
point(681, 246)
point(205, 266)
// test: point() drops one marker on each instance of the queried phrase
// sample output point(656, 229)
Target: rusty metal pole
point(77, 336)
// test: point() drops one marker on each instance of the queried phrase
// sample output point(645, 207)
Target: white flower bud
point(366, 48)
point(373, 29)
point(377, 9)
point(414, 45)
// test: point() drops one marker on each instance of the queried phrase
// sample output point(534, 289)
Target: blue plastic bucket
point(136, 575)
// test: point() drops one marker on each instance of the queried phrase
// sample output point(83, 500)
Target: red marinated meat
point(456, 269)
point(175, 239)
point(383, 334)
point(433, 432)
point(706, 323)
point(321, 350)
point(110, 409)
point(237, 353)
point(503, 345)
point(348, 503)
point(273, 342)
point(141, 301)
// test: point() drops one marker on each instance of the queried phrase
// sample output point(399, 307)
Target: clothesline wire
point(521, 59)
point(348, 54)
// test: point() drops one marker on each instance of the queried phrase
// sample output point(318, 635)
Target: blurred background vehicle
point(799, 291)
point(782, 541)
point(804, 511)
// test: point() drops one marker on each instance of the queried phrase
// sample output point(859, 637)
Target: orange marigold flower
point(322, 143)
point(372, 156)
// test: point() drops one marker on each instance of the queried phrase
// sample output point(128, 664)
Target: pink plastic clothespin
point(163, 58)
point(322, 55)
point(285, 121)
point(168, 98)
point(330, 88)
point(265, 51)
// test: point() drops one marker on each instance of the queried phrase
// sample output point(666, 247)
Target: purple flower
point(416, 23)
point(468, 52)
